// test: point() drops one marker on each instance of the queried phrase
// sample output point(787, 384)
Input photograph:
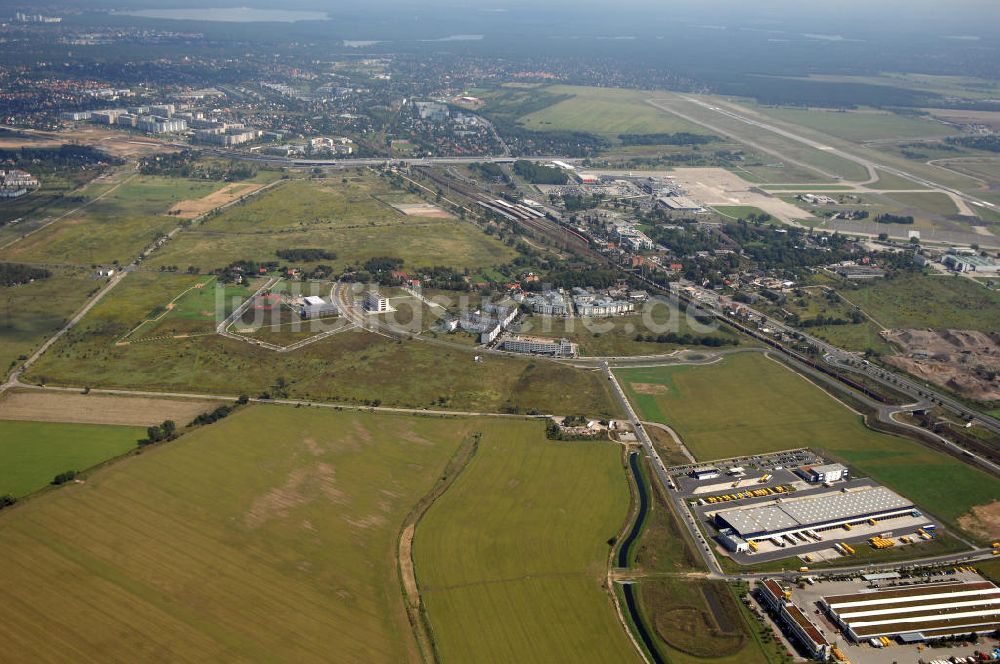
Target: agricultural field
point(32, 453)
point(921, 301)
point(750, 404)
point(32, 312)
point(93, 408)
point(55, 186)
point(605, 112)
point(119, 220)
point(510, 570)
point(349, 217)
point(269, 536)
point(355, 366)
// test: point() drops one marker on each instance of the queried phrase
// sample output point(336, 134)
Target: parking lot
point(775, 480)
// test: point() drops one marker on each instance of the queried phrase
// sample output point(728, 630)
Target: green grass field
point(696, 621)
point(860, 126)
point(606, 112)
point(510, 565)
point(932, 202)
point(737, 211)
point(354, 366)
point(315, 204)
point(116, 227)
point(32, 312)
point(919, 301)
point(267, 537)
point(352, 219)
point(749, 404)
point(199, 305)
point(32, 453)
point(811, 157)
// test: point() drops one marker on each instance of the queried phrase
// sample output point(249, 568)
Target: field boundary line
point(416, 611)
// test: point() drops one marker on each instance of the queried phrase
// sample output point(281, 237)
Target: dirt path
point(404, 550)
point(191, 209)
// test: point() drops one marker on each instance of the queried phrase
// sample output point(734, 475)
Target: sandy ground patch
point(649, 388)
point(965, 361)
point(116, 143)
point(14, 143)
point(199, 206)
point(421, 210)
point(301, 487)
point(99, 409)
point(983, 520)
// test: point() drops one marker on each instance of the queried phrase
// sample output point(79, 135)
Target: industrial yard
point(796, 504)
point(944, 615)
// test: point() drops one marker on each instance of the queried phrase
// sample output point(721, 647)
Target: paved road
point(661, 475)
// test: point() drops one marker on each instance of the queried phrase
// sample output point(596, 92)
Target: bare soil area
point(99, 409)
point(964, 361)
point(199, 206)
point(983, 520)
point(115, 143)
point(649, 388)
point(421, 210)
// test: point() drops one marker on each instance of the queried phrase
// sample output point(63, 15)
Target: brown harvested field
point(422, 210)
point(199, 206)
point(99, 409)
